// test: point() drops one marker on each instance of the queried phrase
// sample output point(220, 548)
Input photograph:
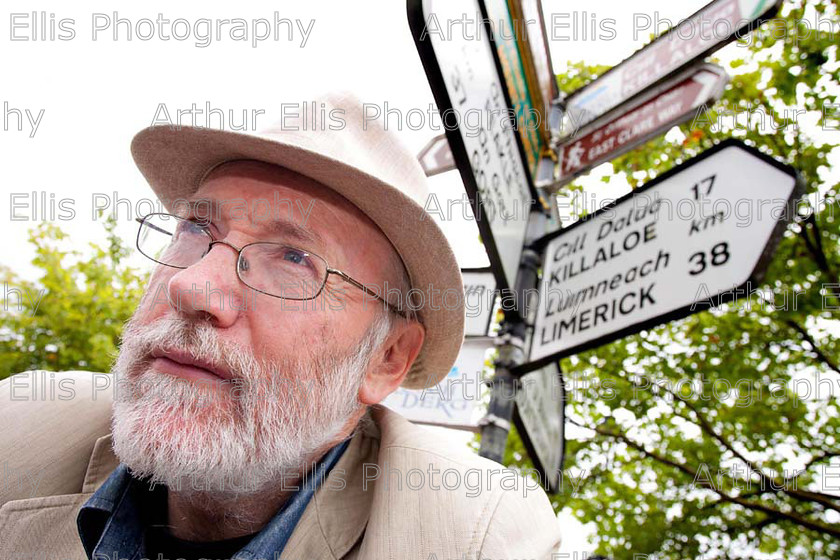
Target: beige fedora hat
point(361, 161)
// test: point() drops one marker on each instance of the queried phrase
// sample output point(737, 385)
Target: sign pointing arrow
point(466, 80)
point(436, 157)
point(676, 102)
point(681, 244)
point(717, 24)
point(540, 418)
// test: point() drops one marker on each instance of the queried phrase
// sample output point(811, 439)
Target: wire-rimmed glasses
point(275, 269)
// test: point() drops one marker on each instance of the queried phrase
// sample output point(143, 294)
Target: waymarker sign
point(462, 66)
point(455, 402)
point(540, 418)
point(678, 101)
point(479, 301)
point(715, 25)
point(686, 241)
point(436, 157)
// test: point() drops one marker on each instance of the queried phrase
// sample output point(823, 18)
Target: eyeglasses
point(274, 269)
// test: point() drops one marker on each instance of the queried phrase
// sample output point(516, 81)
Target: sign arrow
point(540, 419)
point(707, 30)
point(690, 239)
point(676, 102)
point(436, 157)
point(471, 95)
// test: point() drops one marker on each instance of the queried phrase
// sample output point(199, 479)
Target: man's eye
point(295, 257)
point(185, 228)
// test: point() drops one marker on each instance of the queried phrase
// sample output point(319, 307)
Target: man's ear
point(392, 362)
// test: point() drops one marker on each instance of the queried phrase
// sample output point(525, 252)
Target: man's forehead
point(252, 189)
point(273, 216)
point(281, 202)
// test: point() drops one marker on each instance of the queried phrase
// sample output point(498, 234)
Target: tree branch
point(765, 509)
point(815, 247)
point(706, 426)
point(776, 485)
point(821, 356)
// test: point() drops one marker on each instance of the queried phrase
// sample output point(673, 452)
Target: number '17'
point(704, 187)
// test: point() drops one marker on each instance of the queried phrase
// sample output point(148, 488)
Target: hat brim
point(175, 160)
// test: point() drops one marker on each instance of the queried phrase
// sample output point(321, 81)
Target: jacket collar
point(330, 526)
point(102, 463)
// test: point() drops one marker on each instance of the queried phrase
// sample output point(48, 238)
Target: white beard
point(205, 439)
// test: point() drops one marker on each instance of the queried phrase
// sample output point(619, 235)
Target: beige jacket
point(56, 452)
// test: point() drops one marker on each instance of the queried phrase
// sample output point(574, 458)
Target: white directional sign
point(715, 25)
point(462, 71)
point(541, 406)
point(669, 249)
point(479, 301)
point(455, 402)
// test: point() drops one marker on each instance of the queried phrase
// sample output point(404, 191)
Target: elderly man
point(299, 282)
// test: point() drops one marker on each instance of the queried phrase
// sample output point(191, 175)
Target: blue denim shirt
point(110, 525)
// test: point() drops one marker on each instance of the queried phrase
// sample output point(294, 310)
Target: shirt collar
point(109, 523)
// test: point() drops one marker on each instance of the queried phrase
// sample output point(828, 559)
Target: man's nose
point(210, 287)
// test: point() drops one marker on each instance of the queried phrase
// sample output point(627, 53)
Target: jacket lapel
point(102, 464)
point(336, 518)
point(45, 527)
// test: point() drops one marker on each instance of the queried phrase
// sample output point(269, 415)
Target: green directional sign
point(513, 67)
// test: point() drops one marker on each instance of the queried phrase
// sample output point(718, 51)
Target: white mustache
point(198, 339)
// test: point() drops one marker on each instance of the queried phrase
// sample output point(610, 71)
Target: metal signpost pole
point(495, 426)
point(511, 342)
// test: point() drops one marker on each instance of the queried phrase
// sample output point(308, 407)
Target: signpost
point(436, 157)
point(540, 419)
point(526, 65)
point(479, 301)
point(454, 402)
point(683, 243)
point(717, 24)
point(465, 79)
point(536, 55)
point(676, 102)
point(515, 69)
point(688, 240)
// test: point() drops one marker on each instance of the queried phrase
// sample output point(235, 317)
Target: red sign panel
point(674, 104)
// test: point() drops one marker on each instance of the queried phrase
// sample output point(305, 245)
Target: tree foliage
point(706, 437)
point(83, 300)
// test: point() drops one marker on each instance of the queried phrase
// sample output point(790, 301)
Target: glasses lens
point(282, 271)
point(171, 240)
